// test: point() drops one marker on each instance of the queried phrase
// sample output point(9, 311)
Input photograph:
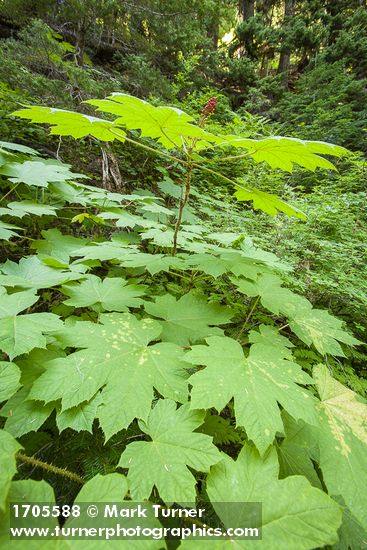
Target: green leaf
point(295, 457)
point(271, 204)
point(170, 126)
point(112, 294)
point(312, 326)
point(188, 319)
point(163, 461)
point(112, 488)
point(27, 416)
point(81, 417)
point(153, 263)
point(17, 147)
point(56, 245)
point(294, 514)
point(285, 152)
point(269, 337)
point(67, 123)
point(12, 304)
point(20, 208)
point(318, 327)
point(352, 536)
point(21, 333)
point(8, 466)
point(220, 429)
point(257, 385)
point(6, 231)
point(32, 273)
point(28, 491)
point(118, 356)
point(343, 442)
point(38, 173)
point(9, 379)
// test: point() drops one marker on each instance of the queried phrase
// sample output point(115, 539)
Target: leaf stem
point(50, 468)
point(254, 305)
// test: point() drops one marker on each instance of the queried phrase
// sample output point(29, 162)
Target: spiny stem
point(248, 316)
point(9, 192)
point(49, 467)
point(183, 201)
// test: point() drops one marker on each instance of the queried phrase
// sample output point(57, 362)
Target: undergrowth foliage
point(126, 320)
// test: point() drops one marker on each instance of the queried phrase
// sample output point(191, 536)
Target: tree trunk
point(285, 52)
point(246, 9)
point(80, 43)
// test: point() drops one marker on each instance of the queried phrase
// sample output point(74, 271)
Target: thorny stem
point(9, 192)
point(50, 468)
point(254, 305)
point(183, 201)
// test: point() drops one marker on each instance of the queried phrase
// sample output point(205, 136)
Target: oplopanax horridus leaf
point(8, 447)
point(170, 126)
point(38, 173)
point(312, 326)
point(257, 384)
point(9, 379)
point(163, 462)
point(284, 152)
point(271, 204)
point(30, 272)
point(116, 355)
point(21, 333)
point(189, 319)
point(67, 123)
point(112, 294)
point(342, 440)
point(295, 515)
point(112, 488)
point(23, 492)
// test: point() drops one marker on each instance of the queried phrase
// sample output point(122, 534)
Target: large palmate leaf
point(295, 456)
point(116, 355)
point(163, 461)
point(67, 123)
point(343, 442)
point(285, 152)
point(188, 319)
point(9, 379)
point(7, 231)
point(19, 209)
point(32, 273)
point(112, 294)
point(295, 515)
point(271, 204)
point(257, 385)
point(312, 326)
point(175, 129)
point(38, 173)
point(12, 304)
point(111, 488)
point(18, 148)
point(27, 491)
point(172, 127)
point(8, 447)
point(21, 333)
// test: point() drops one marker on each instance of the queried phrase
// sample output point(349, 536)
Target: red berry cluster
point(210, 106)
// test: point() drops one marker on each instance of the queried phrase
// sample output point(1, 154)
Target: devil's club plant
point(174, 342)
